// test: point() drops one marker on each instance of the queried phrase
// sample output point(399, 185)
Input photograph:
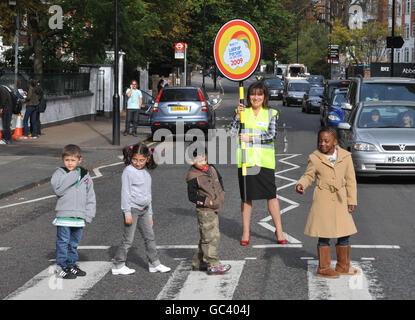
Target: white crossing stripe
point(4, 248)
point(185, 284)
point(344, 288)
point(46, 286)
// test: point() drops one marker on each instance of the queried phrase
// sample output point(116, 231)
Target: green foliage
point(312, 49)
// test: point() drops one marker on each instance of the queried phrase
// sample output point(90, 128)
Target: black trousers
point(38, 124)
point(131, 120)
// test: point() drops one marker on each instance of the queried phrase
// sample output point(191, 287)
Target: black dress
point(260, 184)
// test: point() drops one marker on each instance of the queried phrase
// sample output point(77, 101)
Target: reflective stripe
point(257, 145)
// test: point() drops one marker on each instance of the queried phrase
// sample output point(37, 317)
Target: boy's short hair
point(71, 150)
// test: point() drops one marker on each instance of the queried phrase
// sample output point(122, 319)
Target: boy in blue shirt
point(76, 204)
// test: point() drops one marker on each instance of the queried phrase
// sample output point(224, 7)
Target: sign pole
point(185, 65)
point(243, 144)
point(393, 35)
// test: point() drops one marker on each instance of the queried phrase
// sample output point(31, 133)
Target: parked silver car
point(381, 137)
point(189, 105)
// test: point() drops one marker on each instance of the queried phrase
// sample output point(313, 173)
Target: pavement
point(29, 163)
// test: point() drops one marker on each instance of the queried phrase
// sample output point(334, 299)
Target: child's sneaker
point(77, 271)
point(65, 273)
point(221, 269)
point(123, 271)
point(159, 268)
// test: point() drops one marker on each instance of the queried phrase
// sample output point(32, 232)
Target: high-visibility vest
point(262, 155)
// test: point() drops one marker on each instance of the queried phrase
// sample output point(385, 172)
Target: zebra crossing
point(184, 284)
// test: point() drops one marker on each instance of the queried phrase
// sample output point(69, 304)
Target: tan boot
point(324, 269)
point(343, 261)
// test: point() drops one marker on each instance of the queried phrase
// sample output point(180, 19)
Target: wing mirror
point(346, 106)
point(344, 125)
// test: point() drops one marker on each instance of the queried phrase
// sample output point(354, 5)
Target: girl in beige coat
point(334, 199)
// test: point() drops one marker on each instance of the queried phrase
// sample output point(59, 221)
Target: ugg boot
point(324, 269)
point(343, 261)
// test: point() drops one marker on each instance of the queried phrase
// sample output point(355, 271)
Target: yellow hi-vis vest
point(262, 155)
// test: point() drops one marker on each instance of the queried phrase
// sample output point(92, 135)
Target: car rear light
point(156, 104)
point(202, 123)
point(204, 104)
point(157, 124)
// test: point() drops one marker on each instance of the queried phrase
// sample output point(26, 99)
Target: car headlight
point(363, 146)
point(333, 118)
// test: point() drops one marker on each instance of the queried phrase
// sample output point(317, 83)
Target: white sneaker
point(124, 271)
point(159, 268)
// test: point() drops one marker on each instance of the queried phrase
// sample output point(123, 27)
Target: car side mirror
point(344, 126)
point(346, 106)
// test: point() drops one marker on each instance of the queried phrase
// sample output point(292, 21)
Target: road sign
point(333, 53)
point(237, 50)
point(394, 42)
point(179, 50)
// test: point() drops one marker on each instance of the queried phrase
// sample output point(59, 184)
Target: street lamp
point(116, 97)
point(204, 44)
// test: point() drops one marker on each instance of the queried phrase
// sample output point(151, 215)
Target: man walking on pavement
point(134, 103)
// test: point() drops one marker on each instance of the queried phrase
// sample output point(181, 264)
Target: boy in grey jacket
point(76, 204)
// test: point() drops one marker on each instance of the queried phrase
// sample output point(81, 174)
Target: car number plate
point(181, 108)
point(401, 159)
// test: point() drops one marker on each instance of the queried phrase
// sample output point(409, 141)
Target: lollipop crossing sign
point(237, 50)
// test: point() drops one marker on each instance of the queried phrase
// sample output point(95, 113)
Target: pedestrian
point(334, 199)
point(136, 205)
point(39, 92)
point(134, 104)
point(32, 101)
point(160, 85)
point(259, 157)
point(76, 205)
point(205, 189)
point(6, 107)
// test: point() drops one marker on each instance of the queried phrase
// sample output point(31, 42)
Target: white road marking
point(190, 246)
point(94, 247)
point(98, 173)
point(359, 287)
point(46, 286)
point(4, 248)
point(364, 258)
point(292, 204)
point(368, 246)
point(185, 284)
point(288, 245)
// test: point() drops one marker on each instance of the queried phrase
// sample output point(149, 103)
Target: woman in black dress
point(259, 156)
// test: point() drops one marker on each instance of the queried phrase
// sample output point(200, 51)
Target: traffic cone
point(1, 125)
point(18, 131)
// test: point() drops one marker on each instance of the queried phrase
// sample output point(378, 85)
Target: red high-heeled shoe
point(280, 241)
point(245, 243)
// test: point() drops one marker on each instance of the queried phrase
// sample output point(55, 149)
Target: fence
point(55, 84)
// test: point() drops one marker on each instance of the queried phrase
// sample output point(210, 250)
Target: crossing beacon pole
point(237, 52)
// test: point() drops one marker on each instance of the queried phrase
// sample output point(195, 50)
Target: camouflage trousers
point(207, 252)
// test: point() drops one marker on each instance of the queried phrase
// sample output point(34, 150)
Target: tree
point(361, 46)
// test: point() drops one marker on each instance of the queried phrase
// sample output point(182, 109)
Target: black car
point(275, 87)
point(312, 100)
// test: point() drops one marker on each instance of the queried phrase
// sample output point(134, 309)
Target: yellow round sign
point(237, 50)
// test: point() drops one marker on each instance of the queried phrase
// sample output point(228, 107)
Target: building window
point(413, 28)
point(413, 6)
point(406, 52)
point(406, 31)
point(408, 6)
point(412, 55)
point(398, 9)
point(398, 56)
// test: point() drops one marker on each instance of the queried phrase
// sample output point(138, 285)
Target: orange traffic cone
point(1, 125)
point(18, 131)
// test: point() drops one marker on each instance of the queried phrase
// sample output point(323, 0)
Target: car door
point(146, 109)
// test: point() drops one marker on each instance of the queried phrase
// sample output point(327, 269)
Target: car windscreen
point(387, 91)
point(316, 92)
point(179, 95)
point(338, 99)
point(315, 79)
point(297, 86)
point(273, 83)
point(387, 116)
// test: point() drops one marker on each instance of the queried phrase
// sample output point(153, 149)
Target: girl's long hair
point(139, 148)
point(260, 86)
